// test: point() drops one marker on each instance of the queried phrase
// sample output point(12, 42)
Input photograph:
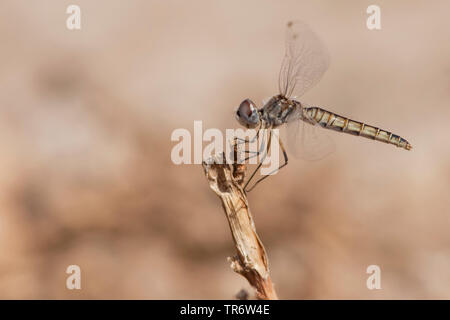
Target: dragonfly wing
point(305, 61)
point(306, 139)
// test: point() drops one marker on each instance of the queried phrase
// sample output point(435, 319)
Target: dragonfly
point(305, 61)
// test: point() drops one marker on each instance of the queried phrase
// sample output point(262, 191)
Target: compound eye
point(246, 109)
point(247, 114)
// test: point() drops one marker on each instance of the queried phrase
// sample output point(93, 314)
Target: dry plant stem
point(251, 259)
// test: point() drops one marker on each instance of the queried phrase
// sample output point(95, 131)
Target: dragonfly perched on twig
point(304, 63)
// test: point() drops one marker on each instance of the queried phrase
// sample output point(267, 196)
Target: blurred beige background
point(85, 169)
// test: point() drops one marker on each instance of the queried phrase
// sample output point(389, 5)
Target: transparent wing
point(306, 139)
point(305, 61)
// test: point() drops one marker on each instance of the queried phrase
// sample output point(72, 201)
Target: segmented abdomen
point(330, 120)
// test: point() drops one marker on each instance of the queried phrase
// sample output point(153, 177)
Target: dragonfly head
point(247, 114)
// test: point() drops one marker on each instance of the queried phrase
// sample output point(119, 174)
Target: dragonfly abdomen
point(333, 121)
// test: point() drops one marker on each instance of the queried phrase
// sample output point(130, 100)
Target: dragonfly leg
point(249, 140)
point(265, 176)
point(242, 141)
point(256, 153)
point(261, 161)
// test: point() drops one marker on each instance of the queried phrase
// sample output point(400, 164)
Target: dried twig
point(251, 259)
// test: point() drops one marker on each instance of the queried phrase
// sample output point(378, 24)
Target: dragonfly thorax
point(276, 111)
